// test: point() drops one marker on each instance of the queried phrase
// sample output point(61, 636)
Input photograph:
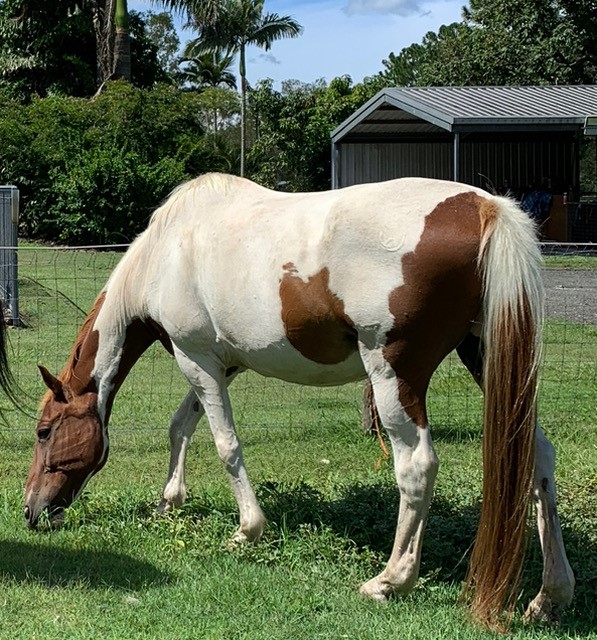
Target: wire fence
point(57, 287)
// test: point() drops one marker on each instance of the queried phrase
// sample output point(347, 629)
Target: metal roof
point(426, 110)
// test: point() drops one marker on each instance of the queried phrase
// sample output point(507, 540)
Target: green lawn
point(571, 262)
point(116, 570)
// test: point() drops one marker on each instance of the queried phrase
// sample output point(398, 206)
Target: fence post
point(9, 221)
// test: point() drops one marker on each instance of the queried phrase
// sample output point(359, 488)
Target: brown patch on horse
point(76, 373)
point(440, 296)
point(314, 319)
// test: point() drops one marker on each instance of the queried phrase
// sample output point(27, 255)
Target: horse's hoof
point(374, 591)
point(164, 507)
point(239, 539)
point(542, 611)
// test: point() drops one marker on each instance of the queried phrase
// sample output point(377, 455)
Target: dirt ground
point(571, 294)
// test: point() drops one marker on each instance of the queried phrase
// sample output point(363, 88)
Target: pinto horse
point(377, 281)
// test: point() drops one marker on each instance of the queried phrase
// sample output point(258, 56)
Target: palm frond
point(274, 27)
point(196, 11)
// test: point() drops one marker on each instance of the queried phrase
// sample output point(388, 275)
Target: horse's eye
point(43, 433)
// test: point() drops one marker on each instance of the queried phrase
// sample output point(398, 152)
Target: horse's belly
point(289, 365)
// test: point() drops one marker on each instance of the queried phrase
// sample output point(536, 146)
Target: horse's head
point(70, 446)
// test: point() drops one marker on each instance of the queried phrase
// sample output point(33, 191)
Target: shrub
point(91, 171)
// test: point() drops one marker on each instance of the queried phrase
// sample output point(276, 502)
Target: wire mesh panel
point(59, 286)
point(9, 218)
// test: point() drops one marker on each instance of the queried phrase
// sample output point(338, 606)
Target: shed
point(516, 140)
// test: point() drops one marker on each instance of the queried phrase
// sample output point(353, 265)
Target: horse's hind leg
point(558, 580)
point(182, 427)
point(210, 384)
point(403, 415)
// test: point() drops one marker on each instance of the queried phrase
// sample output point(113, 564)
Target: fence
point(9, 218)
point(58, 286)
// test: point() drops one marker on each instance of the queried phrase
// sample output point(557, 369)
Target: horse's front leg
point(416, 466)
point(210, 384)
point(182, 427)
point(558, 580)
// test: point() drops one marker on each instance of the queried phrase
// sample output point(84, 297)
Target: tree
point(161, 32)
point(210, 73)
point(238, 24)
point(504, 42)
point(45, 47)
point(196, 11)
point(61, 47)
point(211, 69)
point(293, 130)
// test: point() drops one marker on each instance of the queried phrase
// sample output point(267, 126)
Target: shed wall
point(375, 161)
point(495, 162)
point(508, 163)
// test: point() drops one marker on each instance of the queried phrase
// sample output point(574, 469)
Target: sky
point(340, 37)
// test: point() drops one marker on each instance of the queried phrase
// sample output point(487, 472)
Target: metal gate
point(9, 219)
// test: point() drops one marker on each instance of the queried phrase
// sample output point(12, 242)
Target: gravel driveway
point(571, 294)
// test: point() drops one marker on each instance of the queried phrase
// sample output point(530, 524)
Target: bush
point(91, 171)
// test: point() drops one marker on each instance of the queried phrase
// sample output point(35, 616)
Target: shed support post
point(335, 166)
point(456, 149)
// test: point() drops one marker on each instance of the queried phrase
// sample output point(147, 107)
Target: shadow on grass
point(366, 514)
point(447, 433)
point(53, 566)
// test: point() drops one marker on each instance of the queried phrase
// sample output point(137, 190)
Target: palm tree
point(210, 69)
point(238, 24)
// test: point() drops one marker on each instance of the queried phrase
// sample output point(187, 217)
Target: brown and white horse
point(379, 281)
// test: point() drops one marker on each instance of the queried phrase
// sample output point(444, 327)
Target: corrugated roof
point(416, 110)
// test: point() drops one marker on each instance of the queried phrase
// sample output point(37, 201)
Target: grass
point(116, 570)
point(571, 262)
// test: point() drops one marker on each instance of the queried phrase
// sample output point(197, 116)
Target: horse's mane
point(127, 282)
point(68, 374)
point(218, 183)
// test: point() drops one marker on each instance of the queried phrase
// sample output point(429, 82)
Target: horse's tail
point(510, 261)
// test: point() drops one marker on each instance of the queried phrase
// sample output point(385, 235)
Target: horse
point(376, 281)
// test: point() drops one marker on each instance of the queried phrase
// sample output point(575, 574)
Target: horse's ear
point(53, 384)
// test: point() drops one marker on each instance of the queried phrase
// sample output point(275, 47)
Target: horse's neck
point(112, 346)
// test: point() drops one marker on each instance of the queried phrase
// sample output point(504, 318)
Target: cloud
point(265, 57)
point(396, 7)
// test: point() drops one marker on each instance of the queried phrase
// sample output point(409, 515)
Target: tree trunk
point(103, 26)
point(122, 43)
point(243, 110)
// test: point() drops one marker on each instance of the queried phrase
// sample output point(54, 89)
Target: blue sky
point(340, 36)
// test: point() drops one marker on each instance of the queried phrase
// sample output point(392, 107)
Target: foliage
point(49, 48)
point(210, 69)
point(504, 42)
point(196, 11)
point(162, 33)
point(220, 108)
point(92, 171)
point(588, 165)
point(46, 47)
point(293, 128)
point(238, 24)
